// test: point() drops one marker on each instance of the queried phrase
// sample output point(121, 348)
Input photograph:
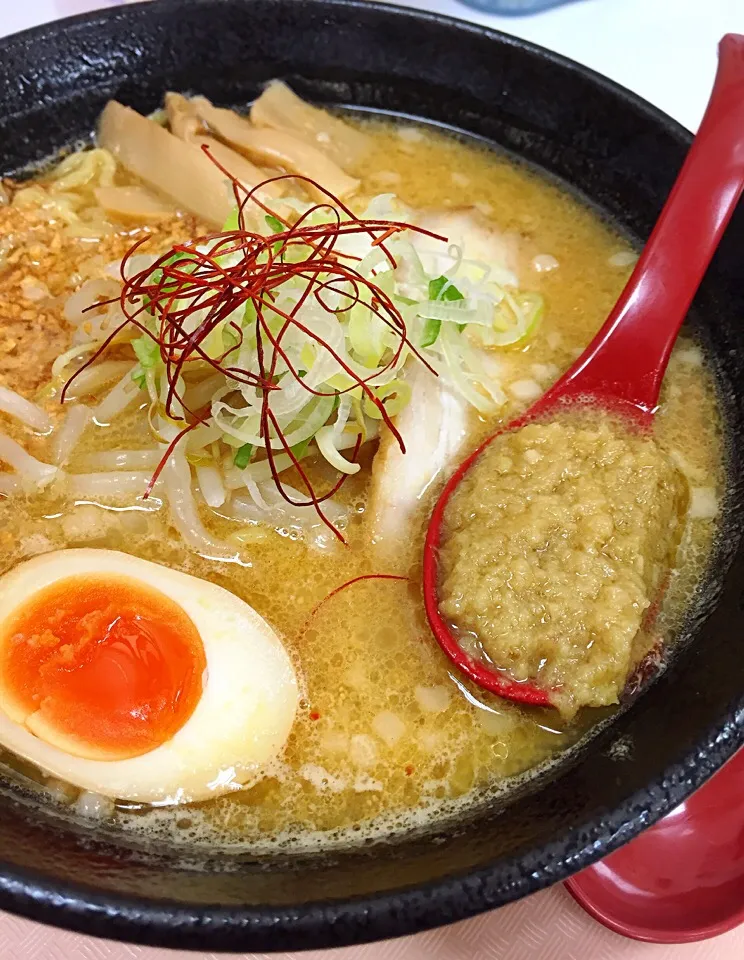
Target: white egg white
point(241, 721)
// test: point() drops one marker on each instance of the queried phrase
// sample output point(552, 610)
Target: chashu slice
point(434, 426)
point(435, 423)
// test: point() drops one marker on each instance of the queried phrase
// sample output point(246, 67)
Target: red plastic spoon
point(622, 368)
point(681, 880)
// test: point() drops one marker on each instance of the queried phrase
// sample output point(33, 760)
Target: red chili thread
point(190, 280)
point(343, 586)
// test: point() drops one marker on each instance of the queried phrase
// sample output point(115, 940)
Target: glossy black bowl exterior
point(623, 155)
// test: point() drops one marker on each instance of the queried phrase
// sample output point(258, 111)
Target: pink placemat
point(546, 926)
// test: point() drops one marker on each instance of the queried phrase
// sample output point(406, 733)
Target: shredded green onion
point(243, 456)
point(430, 332)
point(300, 449)
point(394, 396)
point(452, 320)
point(146, 351)
point(443, 289)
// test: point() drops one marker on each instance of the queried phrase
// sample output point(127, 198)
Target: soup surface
point(387, 736)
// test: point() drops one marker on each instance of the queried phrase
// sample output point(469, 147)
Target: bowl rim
point(325, 924)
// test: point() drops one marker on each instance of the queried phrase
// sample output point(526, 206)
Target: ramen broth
point(388, 736)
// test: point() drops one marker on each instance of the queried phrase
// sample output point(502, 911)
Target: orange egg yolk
point(102, 667)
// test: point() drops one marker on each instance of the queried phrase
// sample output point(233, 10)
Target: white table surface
point(665, 51)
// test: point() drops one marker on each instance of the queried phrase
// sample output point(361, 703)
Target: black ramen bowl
point(619, 153)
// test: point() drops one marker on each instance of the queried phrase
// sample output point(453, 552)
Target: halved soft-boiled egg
point(135, 681)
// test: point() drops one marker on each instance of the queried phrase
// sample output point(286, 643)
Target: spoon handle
point(627, 358)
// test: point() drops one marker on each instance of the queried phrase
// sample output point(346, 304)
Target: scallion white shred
point(454, 317)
